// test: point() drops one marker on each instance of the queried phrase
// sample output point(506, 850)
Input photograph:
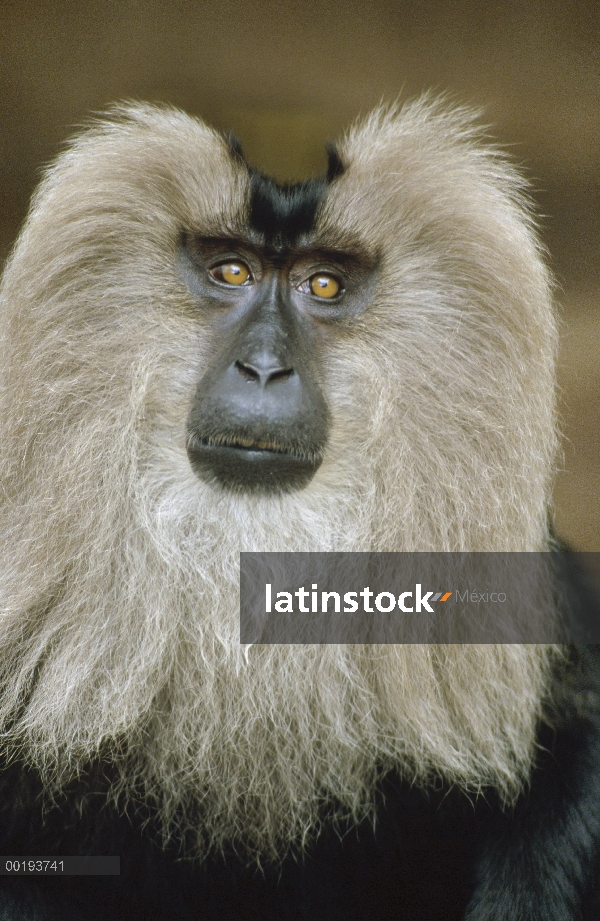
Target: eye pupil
point(324, 286)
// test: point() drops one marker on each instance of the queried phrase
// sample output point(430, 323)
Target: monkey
point(196, 360)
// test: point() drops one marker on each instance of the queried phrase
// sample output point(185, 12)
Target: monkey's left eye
point(232, 273)
point(322, 285)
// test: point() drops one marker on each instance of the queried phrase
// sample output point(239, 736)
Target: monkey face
point(259, 420)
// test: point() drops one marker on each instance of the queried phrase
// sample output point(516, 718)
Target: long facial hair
point(119, 581)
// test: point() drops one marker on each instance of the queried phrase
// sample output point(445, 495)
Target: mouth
point(252, 465)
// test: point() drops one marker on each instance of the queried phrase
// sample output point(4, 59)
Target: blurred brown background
point(287, 76)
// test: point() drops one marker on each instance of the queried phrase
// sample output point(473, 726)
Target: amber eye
point(231, 273)
point(325, 286)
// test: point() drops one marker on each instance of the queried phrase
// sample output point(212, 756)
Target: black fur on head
point(283, 212)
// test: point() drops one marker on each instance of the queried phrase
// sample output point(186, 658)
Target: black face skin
point(259, 421)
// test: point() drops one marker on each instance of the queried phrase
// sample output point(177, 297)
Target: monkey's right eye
point(232, 273)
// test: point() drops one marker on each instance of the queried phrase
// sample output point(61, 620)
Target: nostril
point(247, 371)
point(281, 374)
point(263, 373)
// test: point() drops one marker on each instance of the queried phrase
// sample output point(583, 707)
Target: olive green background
point(288, 76)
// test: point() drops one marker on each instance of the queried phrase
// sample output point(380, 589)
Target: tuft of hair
point(119, 567)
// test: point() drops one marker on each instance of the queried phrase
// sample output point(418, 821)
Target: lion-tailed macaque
point(196, 361)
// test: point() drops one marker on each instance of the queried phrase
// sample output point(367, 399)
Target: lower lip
point(253, 470)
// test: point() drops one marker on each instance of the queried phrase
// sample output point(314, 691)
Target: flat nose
point(264, 369)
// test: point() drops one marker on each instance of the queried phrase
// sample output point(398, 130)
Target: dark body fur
point(433, 856)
